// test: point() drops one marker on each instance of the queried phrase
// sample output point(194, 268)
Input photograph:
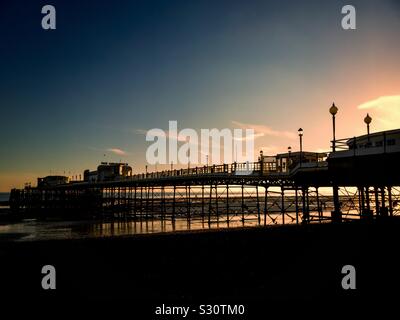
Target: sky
point(87, 91)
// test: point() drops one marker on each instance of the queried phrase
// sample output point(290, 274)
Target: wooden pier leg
point(283, 204)
point(376, 201)
point(147, 201)
point(119, 199)
point(227, 205)
point(202, 203)
point(129, 201)
point(134, 203)
point(242, 204)
point(258, 207)
point(125, 200)
point(361, 201)
point(383, 200)
point(304, 200)
point(152, 202)
point(141, 203)
point(216, 203)
point(210, 205)
point(368, 205)
point(308, 203)
point(162, 203)
point(173, 204)
point(296, 204)
point(389, 189)
point(319, 208)
point(265, 205)
point(188, 203)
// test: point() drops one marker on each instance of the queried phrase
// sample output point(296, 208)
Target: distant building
point(90, 176)
point(284, 162)
point(51, 181)
point(108, 172)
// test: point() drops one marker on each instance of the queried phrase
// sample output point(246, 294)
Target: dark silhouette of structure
point(280, 189)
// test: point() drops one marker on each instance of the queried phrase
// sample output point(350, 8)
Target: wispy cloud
point(117, 151)
point(183, 138)
point(385, 111)
point(391, 102)
point(261, 130)
point(249, 137)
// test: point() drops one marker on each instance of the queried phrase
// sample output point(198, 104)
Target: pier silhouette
point(282, 189)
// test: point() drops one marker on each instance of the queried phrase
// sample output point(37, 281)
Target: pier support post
point(376, 201)
point(210, 205)
point(258, 206)
point(188, 203)
point(265, 205)
point(384, 209)
point(227, 204)
point(242, 203)
point(202, 202)
point(389, 189)
point(297, 204)
point(306, 216)
point(336, 214)
point(283, 204)
point(216, 202)
point(173, 204)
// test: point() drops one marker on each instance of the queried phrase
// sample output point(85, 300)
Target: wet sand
point(296, 264)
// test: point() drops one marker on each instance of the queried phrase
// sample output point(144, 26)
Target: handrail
point(230, 169)
point(383, 140)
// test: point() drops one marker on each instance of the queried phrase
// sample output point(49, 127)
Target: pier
point(295, 187)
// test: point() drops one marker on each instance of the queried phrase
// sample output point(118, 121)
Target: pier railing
point(246, 168)
point(377, 143)
point(234, 169)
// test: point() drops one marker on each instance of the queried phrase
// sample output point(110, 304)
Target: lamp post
point(367, 121)
point(333, 110)
point(336, 214)
point(301, 145)
point(289, 152)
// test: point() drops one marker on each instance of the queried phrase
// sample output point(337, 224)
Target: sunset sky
point(111, 71)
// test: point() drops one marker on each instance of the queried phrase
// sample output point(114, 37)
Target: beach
point(246, 265)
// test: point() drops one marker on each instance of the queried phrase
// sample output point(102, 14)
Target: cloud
point(249, 137)
point(382, 103)
point(385, 111)
point(117, 151)
point(261, 130)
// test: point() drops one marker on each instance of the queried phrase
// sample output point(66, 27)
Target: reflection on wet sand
point(32, 230)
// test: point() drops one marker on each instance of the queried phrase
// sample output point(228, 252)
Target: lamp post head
point(300, 132)
point(289, 148)
point(333, 110)
point(367, 119)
